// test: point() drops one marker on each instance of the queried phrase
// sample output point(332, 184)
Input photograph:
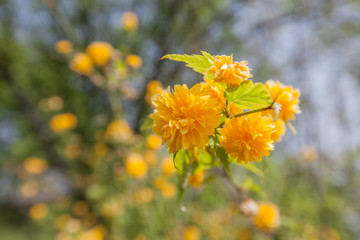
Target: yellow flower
point(229, 72)
point(168, 190)
point(144, 195)
point(136, 166)
point(35, 165)
point(38, 211)
point(216, 92)
point(196, 179)
point(130, 21)
point(287, 97)
point(167, 165)
point(153, 88)
point(191, 233)
point(82, 64)
point(100, 52)
point(64, 46)
point(153, 142)
point(248, 138)
point(134, 61)
point(119, 131)
point(268, 216)
point(185, 118)
point(279, 130)
point(63, 122)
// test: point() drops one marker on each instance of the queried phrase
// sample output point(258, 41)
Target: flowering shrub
point(226, 119)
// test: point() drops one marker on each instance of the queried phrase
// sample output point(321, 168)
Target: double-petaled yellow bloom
point(185, 118)
point(229, 72)
point(287, 97)
point(216, 92)
point(248, 138)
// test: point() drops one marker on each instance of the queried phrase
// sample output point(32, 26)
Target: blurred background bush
point(75, 164)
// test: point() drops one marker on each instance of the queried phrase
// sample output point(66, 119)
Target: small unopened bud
point(249, 208)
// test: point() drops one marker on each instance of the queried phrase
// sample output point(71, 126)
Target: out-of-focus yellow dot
point(268, 216)
point(167, 165)
point(136, 166)
point(140, 237)
point(35, 165)
point(153, 142)
point(119, 131)
point(63, 46)
point(244, 234)
point(191, 233)
point(100, 149)
point(82, 64)
point(73, 225)
point(72, 151)
point(63, 122)
point(160, 181)
point(309, 153)
point(144, 195)
point(153, 88)
point(168, 190)
point(30, 189)
point(60, 221)
point(92, 234)
point(55, 103)
point(63, 236)
point(112, 208)
point(81, 208)
point(100, 52)
point(130, 21)
point(196, 179)
point(134, 61)
point(38, 211)
point(150, 157)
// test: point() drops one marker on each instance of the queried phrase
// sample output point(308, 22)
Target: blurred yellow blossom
point(100, 52)
point(153, 142)
point(55, 103)
point(150, 157)
point(63, 122)
point(268, 216)
point(144, 195)
point(130, 21)
point(248, 138)
point(229, 72)
point(100, 149)
point(279, 130)
point(64, 46)
point(168, 190)
point(153, 88)
point(111, 208)
point(38, 211)
point(136, 166)
point(196, 179)
point(72, 151)
point(81, 208)
point(185, 118)
point(191, 233)
point(134, 61)
point(167, 166)
point(96, 233)
point(82, 64)
point(309, 153)
point(30, 189)
point(35, 165)
point(119, 131)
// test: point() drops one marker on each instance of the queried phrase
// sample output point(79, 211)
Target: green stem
point(252, 111)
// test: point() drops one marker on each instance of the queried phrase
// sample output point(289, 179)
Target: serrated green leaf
point(199, 63)
point(249, 96)
point(224, 159)
point(147, 124)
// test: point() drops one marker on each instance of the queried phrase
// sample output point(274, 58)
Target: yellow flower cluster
point(185, 118)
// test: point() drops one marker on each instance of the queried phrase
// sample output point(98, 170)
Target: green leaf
point(199, 63)
point(181, 159)
point(249, 96)
point(147, 124)
point(224, 159)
